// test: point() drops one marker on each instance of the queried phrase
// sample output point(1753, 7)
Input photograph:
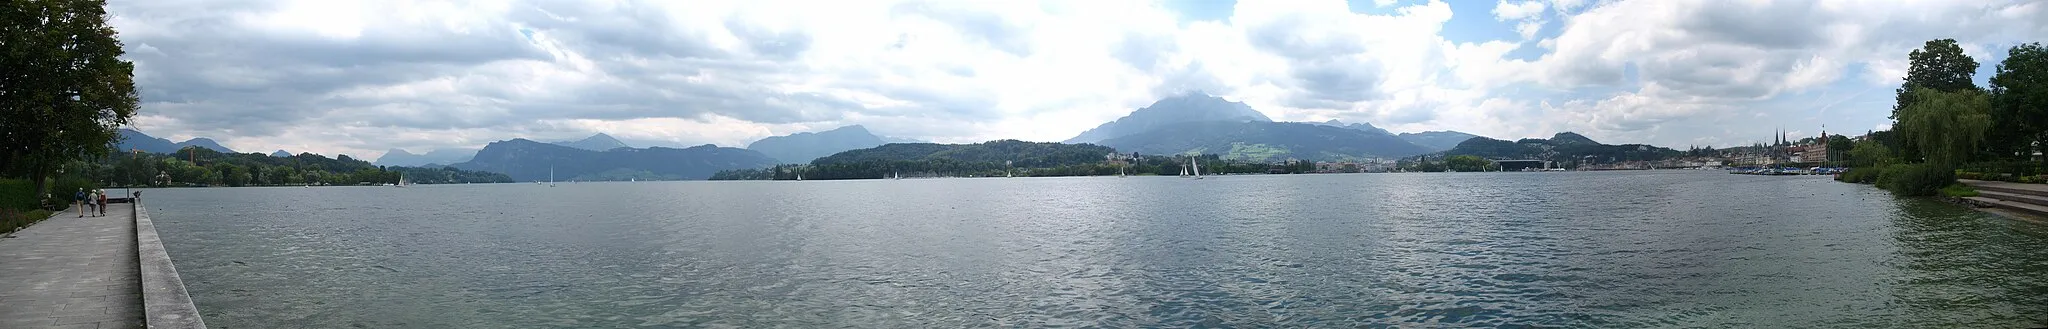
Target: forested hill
point(995, 158)
point(1565, 146)
point(206, 167)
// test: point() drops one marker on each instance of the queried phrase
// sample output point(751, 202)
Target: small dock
point(2022, 201)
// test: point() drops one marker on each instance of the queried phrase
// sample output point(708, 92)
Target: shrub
point(1958, 191)
point(11, 219)
point(1915, 179)
point(1860, 175)
point(18, 194)
point(63, 188)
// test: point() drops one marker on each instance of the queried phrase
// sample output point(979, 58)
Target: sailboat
point(1197, 166)
point(401, 181)
point(1184, 170)
point(1120, 172)
point(551, 176)
point(899, 175)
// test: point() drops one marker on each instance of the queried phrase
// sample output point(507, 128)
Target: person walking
point(78, 200)
point(103, 202)
point(92, 208)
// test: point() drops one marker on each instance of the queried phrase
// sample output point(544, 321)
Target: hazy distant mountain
point(805, 146)
point(598, 142)
point(399, 157)
point(1366, 127)
point(207, 143)
point(1190, 107)
point(136, 140)
point(1563, 147)
point(888, 139)
point(1267, 141)
point(527, 160)
point(1437, 140)
point(281, 154)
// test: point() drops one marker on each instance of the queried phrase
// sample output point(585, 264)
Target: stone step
point(2030, 209)
point(1981, 186)
point(2014, 197)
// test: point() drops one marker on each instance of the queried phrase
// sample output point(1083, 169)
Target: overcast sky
point(359, 77)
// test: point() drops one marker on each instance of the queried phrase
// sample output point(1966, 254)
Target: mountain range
point(399, 157)
point(136, 140)
point(527, 160)
point(1200, 123)
point(1267, 141)
point(1189, 107)
point(1366, 127)
point(806, 146)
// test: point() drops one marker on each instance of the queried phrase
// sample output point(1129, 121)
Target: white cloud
point(360, 77)
point(1507, 11)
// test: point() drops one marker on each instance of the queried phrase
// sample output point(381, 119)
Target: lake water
point(1601, 249)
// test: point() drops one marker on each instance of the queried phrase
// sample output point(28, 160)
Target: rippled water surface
point(1609, 249)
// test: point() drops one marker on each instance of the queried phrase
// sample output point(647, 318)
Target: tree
point(1947, 127)
point(64, 89)
point(1940, 65)
point(1870, 153)
point(1468, 163)
point(2019, 98)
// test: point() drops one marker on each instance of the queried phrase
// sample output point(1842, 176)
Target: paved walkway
point(2010, 185)
point(70, 272)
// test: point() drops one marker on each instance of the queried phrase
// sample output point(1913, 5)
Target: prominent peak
point(281, 154)
point(394, 151)
point(850, 128)
point(597, 142)
point(1188, 107)
point(1334, 122)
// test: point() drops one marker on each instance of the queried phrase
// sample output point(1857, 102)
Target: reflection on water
point(1619, 249)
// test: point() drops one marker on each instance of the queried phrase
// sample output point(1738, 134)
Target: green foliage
point(1940, 65)
point(1958, 191)
point(1468, 163)
point(18, 194)
point(1256, 152)
point(1871, 153)
point(64, 89)
point(1946, 127)
point(1860, 175)
point(995, 158)
point(252, 169)
point(2019, 97)
point(14, 219)
point(1562, 148)
point(1915, 179)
